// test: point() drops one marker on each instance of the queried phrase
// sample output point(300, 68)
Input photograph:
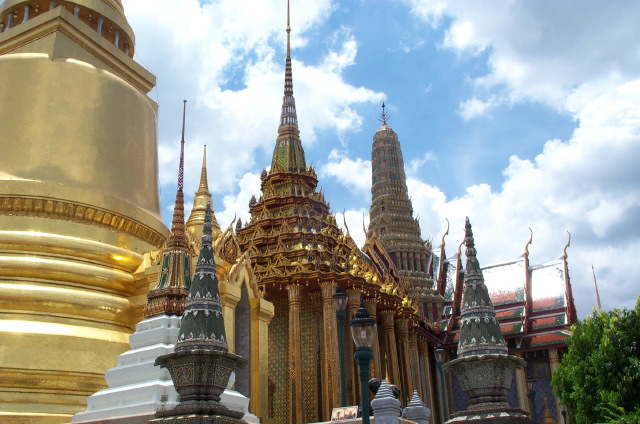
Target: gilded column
point(415, 364)
point(371, 306)
point(262, 312)
point(353, 394)
point(554, 362)
point(392, 352)
point(230, 296)
point(295, 355)
point(331, 387)
point(425, 364)
point(402, 325)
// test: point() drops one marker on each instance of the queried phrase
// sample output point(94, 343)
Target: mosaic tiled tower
point(392, 221)
point(201, 364)
point(484, 367)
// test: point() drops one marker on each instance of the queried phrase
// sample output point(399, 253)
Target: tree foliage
point(599, 377)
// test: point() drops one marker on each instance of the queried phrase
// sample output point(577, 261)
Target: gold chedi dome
point(79, 201)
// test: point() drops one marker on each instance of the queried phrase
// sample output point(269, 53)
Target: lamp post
point(362, 327)
point(439, 353)
point(340, 299)
point(532, 396)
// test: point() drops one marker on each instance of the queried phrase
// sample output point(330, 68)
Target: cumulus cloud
point(354, 174)
point(541, 51)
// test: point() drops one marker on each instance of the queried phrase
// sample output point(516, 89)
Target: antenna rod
point(595, 282)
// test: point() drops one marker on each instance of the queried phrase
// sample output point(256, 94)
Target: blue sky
point(518, 114)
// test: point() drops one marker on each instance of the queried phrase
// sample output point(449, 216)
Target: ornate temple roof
point(202, 324)
point(173, 281)
point(541, 319)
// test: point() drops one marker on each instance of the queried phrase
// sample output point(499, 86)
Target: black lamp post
point(532, 396)
point(340, 299)
point(439, 354)
point(362, 331)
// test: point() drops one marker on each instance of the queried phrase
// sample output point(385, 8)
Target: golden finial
point(204, 185)
point(460, 248)
point(564, 254)
point(446, 233)
point(344, 219)
point(526, 247)
point(288, 30)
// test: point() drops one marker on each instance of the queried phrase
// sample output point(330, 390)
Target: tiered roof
point(533, 303)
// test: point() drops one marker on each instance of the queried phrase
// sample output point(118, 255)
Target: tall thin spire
point(288, 154)
point(288, 29)
point(204, 184)
point(200, 201)
point(173, 281)
point(178, 240)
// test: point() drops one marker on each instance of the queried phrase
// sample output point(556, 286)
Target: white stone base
point(138, 387)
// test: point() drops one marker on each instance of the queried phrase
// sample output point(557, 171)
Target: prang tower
point(78, 201)
point(392, 221)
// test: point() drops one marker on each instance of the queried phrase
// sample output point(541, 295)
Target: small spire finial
point(204, 184)
point(181, 169)
point(384, 117)
point(288, 29)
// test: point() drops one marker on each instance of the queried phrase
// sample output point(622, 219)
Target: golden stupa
point(78, 201)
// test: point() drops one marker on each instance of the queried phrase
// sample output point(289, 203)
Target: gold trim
point(44, 207)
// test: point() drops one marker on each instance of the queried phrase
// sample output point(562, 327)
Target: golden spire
point(204, 184)
point(203, 197)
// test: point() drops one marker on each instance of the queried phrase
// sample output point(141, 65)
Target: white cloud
point(356, 221)
point(237, 205)
point(542, 51)
point(416, 164)
point(354, 174)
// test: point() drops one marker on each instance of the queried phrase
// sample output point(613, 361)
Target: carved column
point(353, 389)
point(262, 312)
point(554, 362)
point(295, 355)
point(392, 352)
point(230, 296)
point(429, 393)
point(415, 364)
point(329, 366)
point(402, 326)
point(370, 304)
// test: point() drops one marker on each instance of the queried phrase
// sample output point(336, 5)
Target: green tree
point(599, 377)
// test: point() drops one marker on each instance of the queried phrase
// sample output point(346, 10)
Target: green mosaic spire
point(479, 329)
point(202, 324)
point(288, 155)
